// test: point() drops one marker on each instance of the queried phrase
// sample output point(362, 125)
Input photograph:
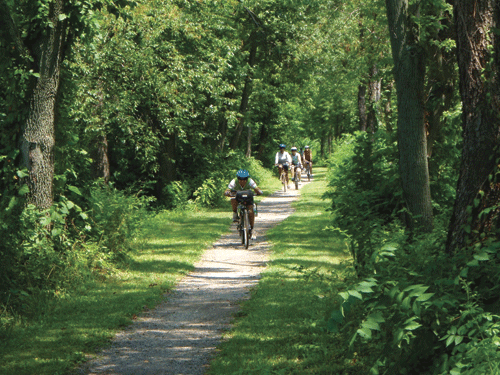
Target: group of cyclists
point(283, 160)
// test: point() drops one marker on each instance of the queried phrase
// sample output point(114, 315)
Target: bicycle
point(297, 176)
point(244, 199)
point(283, 177)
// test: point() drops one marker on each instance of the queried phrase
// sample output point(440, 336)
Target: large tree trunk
point(37, 139)
point(409, 74)
point(477, 23)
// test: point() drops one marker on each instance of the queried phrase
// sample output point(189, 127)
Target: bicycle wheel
point(246, 230)
point(241, 226)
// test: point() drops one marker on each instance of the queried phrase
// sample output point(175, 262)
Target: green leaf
point(62, 17)
point(406, 303)
point(482, 256)
point(450, 339)
point(412, 326)
point(74, 189)
point(24, 190)
point(365, 332)
point(355, 293)
point(424, 297)
point(22, 174)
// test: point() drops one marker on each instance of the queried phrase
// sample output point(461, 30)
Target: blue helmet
point(242, 173)
point(282, 145)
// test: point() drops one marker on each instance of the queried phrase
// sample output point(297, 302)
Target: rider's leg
point(234, 206)
point(251, 215)
point(293, 171)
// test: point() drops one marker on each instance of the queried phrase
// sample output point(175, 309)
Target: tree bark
point(101, 159)
point(363, 119)
point(478, 49)
point(388, 107)
point(37, 139)
point(374, 98)
point(409, 73)
point(249, 142)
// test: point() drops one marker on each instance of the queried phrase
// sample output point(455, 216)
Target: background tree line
point(112, 108)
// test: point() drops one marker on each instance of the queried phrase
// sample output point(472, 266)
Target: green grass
point(88, 317)
point(282, 329)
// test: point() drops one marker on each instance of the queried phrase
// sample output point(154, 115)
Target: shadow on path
point(180, 335)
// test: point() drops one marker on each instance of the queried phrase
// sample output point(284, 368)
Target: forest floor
point(180, 335)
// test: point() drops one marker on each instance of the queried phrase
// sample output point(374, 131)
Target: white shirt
point(282, 158)
point(234, 183)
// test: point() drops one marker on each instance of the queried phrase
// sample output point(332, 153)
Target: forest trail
point(181, 334)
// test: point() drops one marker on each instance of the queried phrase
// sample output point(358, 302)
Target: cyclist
point(308, 158)
point(244, 182)
point(283, 161)
point(296, 161)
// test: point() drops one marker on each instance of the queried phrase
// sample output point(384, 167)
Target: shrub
point(364, 189)
point(116, 219)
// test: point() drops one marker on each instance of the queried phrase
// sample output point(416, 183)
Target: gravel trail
point(179, 336)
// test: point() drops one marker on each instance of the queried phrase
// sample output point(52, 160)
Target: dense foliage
point(159, 102)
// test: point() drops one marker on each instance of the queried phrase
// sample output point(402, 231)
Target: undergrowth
point(410, 308)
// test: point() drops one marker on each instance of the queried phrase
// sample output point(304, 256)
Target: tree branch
point(8, 23)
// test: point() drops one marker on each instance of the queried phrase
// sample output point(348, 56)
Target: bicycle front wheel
point(246, 231)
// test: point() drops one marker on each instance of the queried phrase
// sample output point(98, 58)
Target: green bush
point(411, 308)
point(116, 219)
point(364, 190)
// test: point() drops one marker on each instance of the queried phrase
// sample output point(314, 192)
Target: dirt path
point(180, 335)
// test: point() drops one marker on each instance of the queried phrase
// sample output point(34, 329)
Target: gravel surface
point(180, 335)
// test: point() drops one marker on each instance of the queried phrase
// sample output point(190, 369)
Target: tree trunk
point(478, 53)
point(37, 138)
point(262, 138)
point(363, 121)
point(441, 78)
point(245, 96)
point(388, 108)
point(101, 159)
point(249, 142)
point(409, 73)
point(374, 98)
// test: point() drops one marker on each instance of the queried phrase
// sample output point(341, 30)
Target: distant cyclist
point(242, 182)
point(308, 158)
point(283, 160)
point(296, 161)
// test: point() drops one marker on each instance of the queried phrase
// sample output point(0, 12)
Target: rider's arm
point(230, 188)
point(276, 159)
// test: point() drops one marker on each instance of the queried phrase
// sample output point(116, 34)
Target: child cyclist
point(296, 161)
point(242, 182)
point(282, 160)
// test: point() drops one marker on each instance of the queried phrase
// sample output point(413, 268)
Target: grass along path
point(65, 330)
point(282, 328)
